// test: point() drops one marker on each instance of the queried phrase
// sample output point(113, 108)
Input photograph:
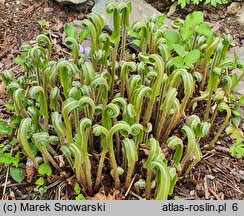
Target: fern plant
point(96, 110)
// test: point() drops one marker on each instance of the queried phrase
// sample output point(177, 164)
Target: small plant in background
point(214, 3)
point(77, 190)
point(40, 188)
point(42, 23)
point(97, 107)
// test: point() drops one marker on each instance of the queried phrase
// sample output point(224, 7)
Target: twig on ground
point(231, 186)
point(206, 189)
point(6, 179)
point(214, 193)
point(136, 195)
point(132, 181)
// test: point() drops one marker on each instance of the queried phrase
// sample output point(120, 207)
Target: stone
point(233, 8)
point(71, 1)
point(79, 5)
point(239, 51)
point(238, 72)
point(240, 18)
point(141, 12)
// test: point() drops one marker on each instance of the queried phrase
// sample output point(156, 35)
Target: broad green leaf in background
point(237, 149)
point(241, 101)
point(70, 31)
point(80, 197)
point(77, 188)
point(178, 61)
point(7, 159)
point(83, 34)
point(160, 19)
point(7, 144)
point(42, 22)
point(204, 29)
point(194, 19)
point(171, 37)
point(40, 181)
point(45, 169)
point(179, 49)
point(17, 174)
point(191, 57)
point(15, 120)
point(186, 32)
point(5, 128)
point(19, 60)
point(9, 106)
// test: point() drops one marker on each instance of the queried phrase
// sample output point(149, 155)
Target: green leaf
point(42, 22)
point(236, 120)
point(45, 169)
point(15, 120)
point(77, 188)
point(42, 190)
point(205, 29)
point(70, 31)
point(178, 61)
point(5, 128)
point(237, 149)
point(136, 42)
point(192, 57)
point(33, 148)
point(241, 100)
point(80, 197)
point(179, 49)
point(171, 37)
point(186, 32)
point(9, 106)
point(83, 34)
point(17, 174)
point(236, 112)
point(133, 34)
point(7, 145)
point(40, 181)
point(182, 3)
point(160, 19)
point(234, 131)
point(196, 1)
point(19, 60)
point(7, 159)
point(194, 19)
point(14, 141)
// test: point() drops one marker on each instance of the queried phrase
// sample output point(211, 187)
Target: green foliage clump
point(214, 3)
point(101, 107)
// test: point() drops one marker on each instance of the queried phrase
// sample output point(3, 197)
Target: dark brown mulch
point(217, 175)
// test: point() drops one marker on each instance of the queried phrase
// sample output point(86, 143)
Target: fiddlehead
point(221, 107)
point(20, 102)
point(176, 144)
point(68, 106)
point(58, 126)
point(158, 63)
point(110, 111)
point(24, 133)
point(37, 93)
point(69, 41)
point(126, 67)
point(132, 156)
point(154, 149)
point(43, 39)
